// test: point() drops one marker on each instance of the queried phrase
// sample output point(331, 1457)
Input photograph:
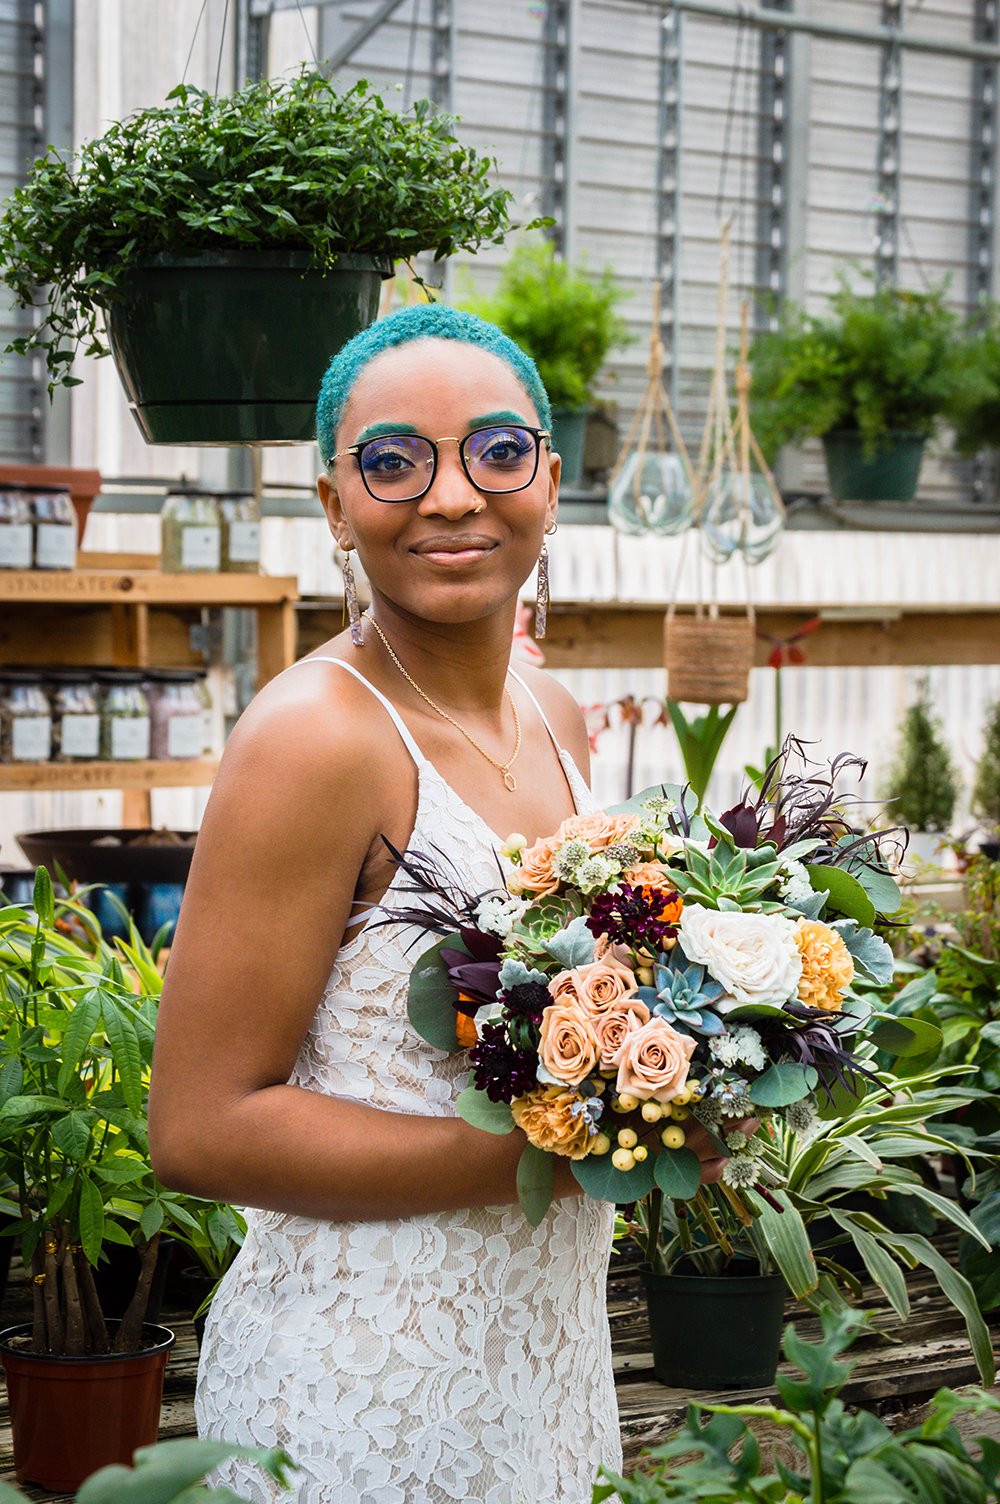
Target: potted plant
point(213, 1243)
point(844, 1456)
point(77, 1017)
point(986, 788)
point(230, 245)
point(921, 783)
point(170, 1473)
point(872, 378)
point(567, 322)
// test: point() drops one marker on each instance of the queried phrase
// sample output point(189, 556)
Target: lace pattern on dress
point(454, 1357)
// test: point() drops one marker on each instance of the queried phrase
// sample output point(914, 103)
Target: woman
point(392, 1320)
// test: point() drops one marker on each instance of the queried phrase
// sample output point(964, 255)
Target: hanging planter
point(197, 370)
point(890, 473)
point(715, 1332)
point(708, 656)
point(231, 245)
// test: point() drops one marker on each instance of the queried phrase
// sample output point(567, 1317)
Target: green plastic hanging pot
point(569, 430)
point(890, 474)
point(715, 1331)
point(231, 347)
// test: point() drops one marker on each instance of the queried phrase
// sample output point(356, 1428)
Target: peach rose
point(536, 873)
point(827, 965)
point(567, 1046)
point(598, 830)
point(548, 1120)
point(653, 1062)
point(649, 875)
point(597, 987)
point(612, 1028)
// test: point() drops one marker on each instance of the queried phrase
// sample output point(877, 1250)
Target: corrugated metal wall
point(20, 137)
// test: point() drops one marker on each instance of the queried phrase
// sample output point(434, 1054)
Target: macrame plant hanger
point(653, 490)
point(709, 655)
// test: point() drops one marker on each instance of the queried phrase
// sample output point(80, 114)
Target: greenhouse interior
point(587, 1084)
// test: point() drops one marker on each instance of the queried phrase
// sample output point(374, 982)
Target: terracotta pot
point(71, 1416)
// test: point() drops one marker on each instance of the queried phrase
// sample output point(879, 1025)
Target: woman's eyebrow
point(504, 416)
point(375, 429)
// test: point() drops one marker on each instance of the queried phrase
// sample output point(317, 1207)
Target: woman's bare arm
point(292, 819)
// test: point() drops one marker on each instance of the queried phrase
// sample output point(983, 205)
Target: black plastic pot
point(194, 1287)
point(715, 1331)
point(890, 474)
point(231, 347)
point(990, 850)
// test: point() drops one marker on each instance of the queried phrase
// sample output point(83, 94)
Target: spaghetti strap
point(397, 719)
point(545, 720)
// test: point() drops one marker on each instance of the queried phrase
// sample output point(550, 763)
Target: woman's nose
point(451, 492)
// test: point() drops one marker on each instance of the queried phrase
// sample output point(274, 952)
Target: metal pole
point(782, 21)
point(54, 125)
point(772, 154)
point(983, 164)
point(443, 41)
point(668, 197)
point(555, 87)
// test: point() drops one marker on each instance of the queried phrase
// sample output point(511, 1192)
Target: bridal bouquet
point(651, 964)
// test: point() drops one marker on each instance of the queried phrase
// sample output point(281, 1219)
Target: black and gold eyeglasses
point(401, 466)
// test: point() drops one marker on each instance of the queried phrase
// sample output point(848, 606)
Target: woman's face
point(437, 557)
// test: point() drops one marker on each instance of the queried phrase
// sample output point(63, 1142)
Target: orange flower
point(548, 1120)
point(465, 1030)
point(827, 965)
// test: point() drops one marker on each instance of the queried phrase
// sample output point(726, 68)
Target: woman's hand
point(704, 1146)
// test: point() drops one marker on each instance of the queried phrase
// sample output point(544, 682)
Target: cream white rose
point(754, 956)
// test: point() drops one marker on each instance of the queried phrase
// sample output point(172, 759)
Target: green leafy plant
point(171, 1471)
point(922, 784)
point(77, 1017)
point(986, 788)
point(288, 164)
point(848, 1456)
point(700, 740)
point(975, 410)
point(877, 363)
point(564, 318)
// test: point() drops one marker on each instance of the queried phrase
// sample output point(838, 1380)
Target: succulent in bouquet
point(653, 965)
point(77, 1018)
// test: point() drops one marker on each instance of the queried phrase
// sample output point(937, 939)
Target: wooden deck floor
point(895, 1378)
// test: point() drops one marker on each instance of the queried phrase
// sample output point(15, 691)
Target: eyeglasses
point(402, 466)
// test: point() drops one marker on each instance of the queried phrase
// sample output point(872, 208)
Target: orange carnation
point(827, 965)
point(547, 1119)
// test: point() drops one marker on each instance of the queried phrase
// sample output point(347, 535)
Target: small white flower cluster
point(654, 817)
point(595, 874)
point(497, 915)
point(739, 1046)
point(741, 1171)
point(569, 857)
point(795, 884)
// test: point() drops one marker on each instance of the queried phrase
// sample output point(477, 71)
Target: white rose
point(754, 956)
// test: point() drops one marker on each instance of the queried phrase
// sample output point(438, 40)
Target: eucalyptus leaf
point(872, 957)
point(677, 1173)
point(847, 895)
point(475, 1107)
point(431, 995)
point(600, 1179)
point(534, 1182)
point(781, 1085)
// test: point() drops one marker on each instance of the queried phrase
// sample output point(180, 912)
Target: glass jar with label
point(76, 717)
point(54, 520)
point(240, 532)
point(124, 716)
point(175, 713)
point(207, 715)
point(191, 536)
point(15, 528)
point(25, 718)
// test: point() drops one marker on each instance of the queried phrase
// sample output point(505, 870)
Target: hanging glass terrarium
point(652, 484)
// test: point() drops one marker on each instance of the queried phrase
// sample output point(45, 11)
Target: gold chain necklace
point(503, 768)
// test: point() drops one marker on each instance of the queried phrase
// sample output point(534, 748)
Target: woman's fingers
point(706, 1145)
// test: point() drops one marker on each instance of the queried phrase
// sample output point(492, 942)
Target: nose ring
point(481, 508)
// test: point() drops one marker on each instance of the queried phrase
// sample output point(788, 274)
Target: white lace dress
point(453, 1357)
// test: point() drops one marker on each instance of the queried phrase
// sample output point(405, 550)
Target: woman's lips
point(454, 552)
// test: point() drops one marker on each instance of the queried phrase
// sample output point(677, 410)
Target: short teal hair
point(422, 321)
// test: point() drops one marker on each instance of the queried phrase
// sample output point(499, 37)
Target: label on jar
point(207, 732)
point(78, 735)
point(129, 737)
point(31, 738)
point(15, 545)
point(244, 542)
point(200, 547)
point(55, 546)
point(184, 736)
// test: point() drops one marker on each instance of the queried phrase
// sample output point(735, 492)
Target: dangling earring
point(542, 592)
point(351, 600)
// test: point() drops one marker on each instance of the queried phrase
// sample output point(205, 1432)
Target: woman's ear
point(552, 507)
point(330, 498)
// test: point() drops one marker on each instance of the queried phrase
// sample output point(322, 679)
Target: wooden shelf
point(110, 585)
point(48, 777)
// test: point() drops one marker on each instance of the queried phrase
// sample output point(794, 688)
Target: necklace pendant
point(510, 781)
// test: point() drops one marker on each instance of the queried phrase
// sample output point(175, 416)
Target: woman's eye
point(386, 461)
point(505, 449)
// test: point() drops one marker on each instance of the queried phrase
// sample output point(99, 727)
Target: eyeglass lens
point(400, 467)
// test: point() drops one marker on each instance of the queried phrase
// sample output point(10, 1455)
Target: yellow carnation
point(827, 965)
point(547, 1119)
